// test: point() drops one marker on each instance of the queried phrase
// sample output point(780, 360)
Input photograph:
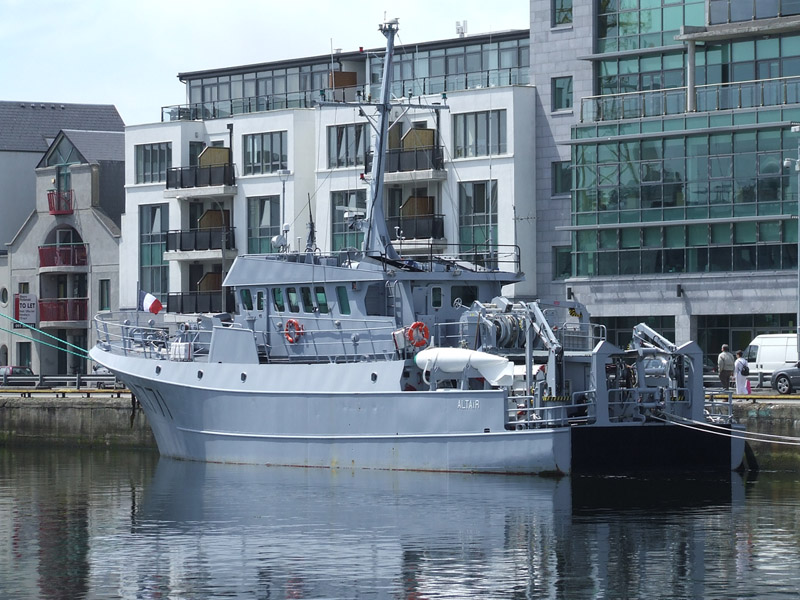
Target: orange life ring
point(293, 331)
point(418, 334)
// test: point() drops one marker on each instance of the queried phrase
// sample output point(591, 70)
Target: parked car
point(13, 374)
point(787, 379)
point(11, 370)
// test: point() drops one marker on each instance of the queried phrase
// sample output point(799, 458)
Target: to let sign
point(25, 309)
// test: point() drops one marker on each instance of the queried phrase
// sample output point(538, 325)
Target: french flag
point(149, 302)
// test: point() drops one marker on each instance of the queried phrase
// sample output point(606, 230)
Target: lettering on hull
point(468, 404)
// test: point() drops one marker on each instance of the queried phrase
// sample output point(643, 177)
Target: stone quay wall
point(106, 421)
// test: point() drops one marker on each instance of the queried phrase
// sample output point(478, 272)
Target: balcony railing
point(216, 238)
point(193, 177)
point(201, 302)
point(63, 309)
point(421, 227)
point(708, 98)
point(418, 159)
point(439, 84)
point(60, 202)
point(222, 109)
point(69, 255)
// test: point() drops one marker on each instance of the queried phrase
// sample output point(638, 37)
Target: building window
point(347, 205)
point(265, 152)
point(24, 354)
point(347, 145)
point(562, 262)
point(153, 269)
point(479, 133)
point(562, 93)
point(105, 294)
point(477, 214)
point(562, 12)
point(562, 178)
point(24, 287)
point(152, 162)
point(195, 148)
point(263, 223)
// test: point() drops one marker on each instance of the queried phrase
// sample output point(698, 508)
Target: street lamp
point(284, 175)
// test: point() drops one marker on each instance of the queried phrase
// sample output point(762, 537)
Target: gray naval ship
point(367, 359)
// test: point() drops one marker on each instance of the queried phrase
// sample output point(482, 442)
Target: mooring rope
point(703, 426)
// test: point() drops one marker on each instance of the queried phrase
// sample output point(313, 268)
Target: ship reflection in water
point(89, 526)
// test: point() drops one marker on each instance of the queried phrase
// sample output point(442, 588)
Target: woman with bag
point(741, 371)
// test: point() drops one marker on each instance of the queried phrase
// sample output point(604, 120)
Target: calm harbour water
point(81, 524)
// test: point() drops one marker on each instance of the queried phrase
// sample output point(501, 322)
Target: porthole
point(158, 370)
point(199, 374)
point(4, 296)
point(244, 377)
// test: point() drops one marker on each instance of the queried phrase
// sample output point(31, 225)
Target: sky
point(129, 52)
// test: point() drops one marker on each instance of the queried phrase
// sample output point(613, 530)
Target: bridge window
point(322, 300)
point(436, 297)
point(343, 300)
point(247, 299)
point(291, 294)
point(308, 304)
point(277, 299)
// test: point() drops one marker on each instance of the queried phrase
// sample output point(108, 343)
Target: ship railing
point(348, 340)
point(637, 404)
point(579, 336)
point(523, 413)
point(145, 335)
point(479, 257)
point(719, 407)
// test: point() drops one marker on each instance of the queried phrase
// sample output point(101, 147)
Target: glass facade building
point(682, 161)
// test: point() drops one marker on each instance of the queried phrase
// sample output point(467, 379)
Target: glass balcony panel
point(213, 238)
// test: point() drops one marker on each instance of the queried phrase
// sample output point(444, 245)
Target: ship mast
point(376, 240)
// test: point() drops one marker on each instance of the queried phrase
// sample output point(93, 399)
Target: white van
point(769, 352)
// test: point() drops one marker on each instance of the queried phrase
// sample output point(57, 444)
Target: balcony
point(708, 98)
point(60, 202)
point(197, 177)
point(419, 227)
point(222, 109)
point(58, 310)
point(439, 84)
point(417, 159)
point(201, 302)
point(190, 240)
point(63, 255)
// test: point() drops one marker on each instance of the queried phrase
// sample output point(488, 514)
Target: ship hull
point(276, 415)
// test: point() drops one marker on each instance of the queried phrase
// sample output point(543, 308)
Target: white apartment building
point(252, 150)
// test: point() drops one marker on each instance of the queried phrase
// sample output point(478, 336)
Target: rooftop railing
point(708, 98)
point(436, 84)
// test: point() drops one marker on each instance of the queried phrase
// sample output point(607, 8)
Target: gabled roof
point(31, 126)
point(93, 146)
